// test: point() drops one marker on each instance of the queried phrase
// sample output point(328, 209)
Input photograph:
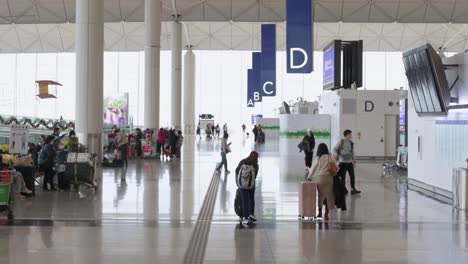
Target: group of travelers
point(212, 131)
point(329, 169)
point(168, 142)
point(41, 157)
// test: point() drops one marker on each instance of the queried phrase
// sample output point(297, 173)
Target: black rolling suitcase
point(238, 204)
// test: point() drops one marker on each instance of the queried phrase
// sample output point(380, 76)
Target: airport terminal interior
point(233, 131)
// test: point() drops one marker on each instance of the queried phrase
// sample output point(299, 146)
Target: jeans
point(347, 167)
point(248, 202)
point(223, 162)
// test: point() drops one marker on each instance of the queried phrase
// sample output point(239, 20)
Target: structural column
point(176, 106)
point(152, 62)
point(189, 93)
point(89, 73)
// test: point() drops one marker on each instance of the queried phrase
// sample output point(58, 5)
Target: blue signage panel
point(250, 89)
point(268, 64)
point(257, 76)
point(299, 36)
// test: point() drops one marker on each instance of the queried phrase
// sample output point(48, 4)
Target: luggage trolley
point(81, 170)
point(5, 186)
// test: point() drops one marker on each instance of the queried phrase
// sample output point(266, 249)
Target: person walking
point(180, 142)
point(324, 168)
point(307, 145)
point(162, 136)
point(344, 152)
point(225, 149)
point(122, 146)
point(218, 131)
point(246, 174)
point(46, 162)
point(173, 142)
point(255, 132)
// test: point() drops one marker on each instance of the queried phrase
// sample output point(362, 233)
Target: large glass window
point(221, 83)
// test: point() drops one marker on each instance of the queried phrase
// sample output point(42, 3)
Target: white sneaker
point(246, 222)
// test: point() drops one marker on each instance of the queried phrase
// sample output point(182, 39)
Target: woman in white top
point(321, 167)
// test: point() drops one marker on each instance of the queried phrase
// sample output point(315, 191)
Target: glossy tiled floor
point(152, 216)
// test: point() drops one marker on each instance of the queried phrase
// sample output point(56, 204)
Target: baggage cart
point(5, 187)
point(81, 170)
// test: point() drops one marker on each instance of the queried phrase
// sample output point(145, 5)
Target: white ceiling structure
point(384, 25)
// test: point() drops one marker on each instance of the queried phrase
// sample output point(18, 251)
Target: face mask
point(72, 136)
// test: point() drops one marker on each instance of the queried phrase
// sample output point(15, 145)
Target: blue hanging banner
point(268, 64)
point(250, 89)
point(299, 36)
point(257, 76)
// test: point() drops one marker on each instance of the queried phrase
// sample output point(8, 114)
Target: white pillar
point(189, 124)
point(176, 105)
point(89, 73)
point(152, 62)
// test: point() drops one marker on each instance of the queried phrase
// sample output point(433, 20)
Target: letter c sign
point(265, 91)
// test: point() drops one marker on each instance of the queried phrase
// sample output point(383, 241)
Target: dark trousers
point(248, 202)
point(223, 162)
point(123, 153)
point(159, 147)
point(138, 148)
point(347, 167)
point(49, 173)
point(308, 158)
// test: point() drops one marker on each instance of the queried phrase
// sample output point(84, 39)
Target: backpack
point(246, 177)
point(341, 147)
point(42, 157)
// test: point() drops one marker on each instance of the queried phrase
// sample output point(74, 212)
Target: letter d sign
point(369, 106)
point(299, 36)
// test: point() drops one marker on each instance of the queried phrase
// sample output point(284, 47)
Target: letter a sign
point(250, 88)
point(299, 36)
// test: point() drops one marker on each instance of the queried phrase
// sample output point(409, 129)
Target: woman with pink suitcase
point(324, 168)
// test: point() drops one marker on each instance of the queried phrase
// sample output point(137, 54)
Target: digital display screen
point(427, 81)
point(329, 67)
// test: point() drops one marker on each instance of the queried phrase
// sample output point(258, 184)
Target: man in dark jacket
point(307, 145)
point(46, 162)
point(248, 195)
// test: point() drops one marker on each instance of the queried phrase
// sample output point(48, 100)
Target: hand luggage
point(238, 203)
point(307, 199)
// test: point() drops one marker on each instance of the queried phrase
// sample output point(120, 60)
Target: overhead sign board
point(268, 61)
point(299, 36)
point(257, 76)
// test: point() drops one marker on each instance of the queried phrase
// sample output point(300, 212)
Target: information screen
point(329, 67)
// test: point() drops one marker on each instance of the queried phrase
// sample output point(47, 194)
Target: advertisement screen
point(329, 66)
point(116, 110)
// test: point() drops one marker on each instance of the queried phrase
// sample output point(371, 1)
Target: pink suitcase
point(307, 199)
